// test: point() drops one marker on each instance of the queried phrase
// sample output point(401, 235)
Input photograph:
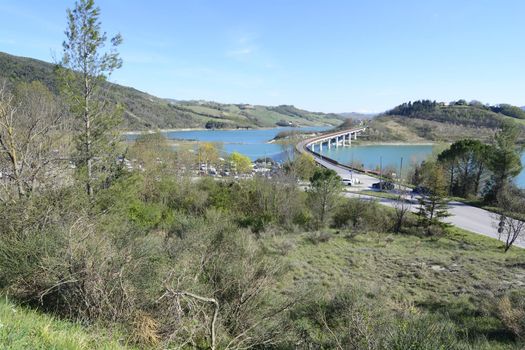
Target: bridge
point(469, 218)
point(335, 139)
point(342, 138)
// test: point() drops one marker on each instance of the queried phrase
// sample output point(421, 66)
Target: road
point(464, 216)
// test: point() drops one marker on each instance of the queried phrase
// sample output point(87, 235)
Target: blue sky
point(331, 56)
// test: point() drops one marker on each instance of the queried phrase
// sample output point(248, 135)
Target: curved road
point(464, 216)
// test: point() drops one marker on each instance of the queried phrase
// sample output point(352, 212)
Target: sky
point(329, 56)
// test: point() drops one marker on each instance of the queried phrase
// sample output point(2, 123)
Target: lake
point(371, 156)
point(254, 144)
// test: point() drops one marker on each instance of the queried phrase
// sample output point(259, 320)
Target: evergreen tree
point(433, 206)
point(505, 161)
point(84, 69)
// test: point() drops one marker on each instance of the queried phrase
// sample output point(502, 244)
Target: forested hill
point(427, 120)
point(144, 111)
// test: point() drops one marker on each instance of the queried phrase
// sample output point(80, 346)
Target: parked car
point(420, 190)
point(347, 182)
point(383, 185)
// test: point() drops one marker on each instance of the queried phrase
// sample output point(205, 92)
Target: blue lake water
point(371, 156)
point(254, 143)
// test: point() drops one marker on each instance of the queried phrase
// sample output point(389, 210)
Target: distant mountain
point(358, 116)
point(145, 111)
point(523, 107)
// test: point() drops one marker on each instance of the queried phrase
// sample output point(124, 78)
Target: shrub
point(511, 311)
point(318, 237)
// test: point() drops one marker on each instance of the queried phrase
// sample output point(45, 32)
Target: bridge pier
point(342, 139)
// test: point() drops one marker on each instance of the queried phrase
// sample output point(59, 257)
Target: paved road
point(464, 216)
point(469, 218)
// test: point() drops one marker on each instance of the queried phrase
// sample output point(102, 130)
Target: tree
point(154, 153)
point(401, 210)
point(29, 131)
point(324, 194)
point(504, 162)
point(512, 201)
point(433, 206)
point(466, 163)
point(241, 163)
point(304, 166)
point(208, 153)
point(85, 67)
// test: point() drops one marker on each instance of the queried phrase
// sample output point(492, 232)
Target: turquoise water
point(390, 155)
point(520, 179)
point(370, 157)
point(253, 143)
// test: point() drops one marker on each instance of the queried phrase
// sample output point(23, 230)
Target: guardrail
point(302, 147)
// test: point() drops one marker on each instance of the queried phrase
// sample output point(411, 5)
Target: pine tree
point(433, 207)
point(83, 73)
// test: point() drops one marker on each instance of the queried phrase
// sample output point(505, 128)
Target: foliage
point(85, 68)
point(302, 167)
point(433, 205)
point(143, 111)
point(505, 161)
point(208, 153)
point(22, 329)
point(31, 147)
point(466, 163)
point(241, 164)
point(511, 310)
point(324, 194)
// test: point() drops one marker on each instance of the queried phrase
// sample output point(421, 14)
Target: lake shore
point(139, 132)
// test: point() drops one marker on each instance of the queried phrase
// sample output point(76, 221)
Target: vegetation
point(84, 69)
point(427, 120)
point(433, 204)
point(143, 111)
point(164, 258)
point(21, 329)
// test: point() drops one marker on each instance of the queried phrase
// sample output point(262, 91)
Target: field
point(460, 275)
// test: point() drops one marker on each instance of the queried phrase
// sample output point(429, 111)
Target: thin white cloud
point(243, 46)
point(241, 52)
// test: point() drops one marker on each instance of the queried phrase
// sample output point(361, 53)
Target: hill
point(358, 116)
point(145, 111)
point(436, 121)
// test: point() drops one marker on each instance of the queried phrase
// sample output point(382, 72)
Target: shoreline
point(152, 131)
point(397, 143)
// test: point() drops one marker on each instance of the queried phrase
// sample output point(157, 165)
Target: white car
point(347, 182)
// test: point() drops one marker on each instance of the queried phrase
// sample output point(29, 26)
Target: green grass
point(461, 275)
point(21, 328)
point(379, 194)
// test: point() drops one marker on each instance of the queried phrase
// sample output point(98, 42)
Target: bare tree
point(512, 202)
point(401, 209)
point(29, 133)
point(512, 230)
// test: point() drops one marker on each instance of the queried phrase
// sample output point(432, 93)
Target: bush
point(318, 237)
point(361, 215)
point(511, 311)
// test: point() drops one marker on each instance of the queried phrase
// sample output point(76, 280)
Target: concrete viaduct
point(335, 139)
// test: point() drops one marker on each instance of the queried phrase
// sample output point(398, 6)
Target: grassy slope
point(466, 122)
point(144, 111)
point(21, 328)
point(456, 275)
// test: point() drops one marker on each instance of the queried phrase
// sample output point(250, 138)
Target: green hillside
point(431, 121)
point(144, 111)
